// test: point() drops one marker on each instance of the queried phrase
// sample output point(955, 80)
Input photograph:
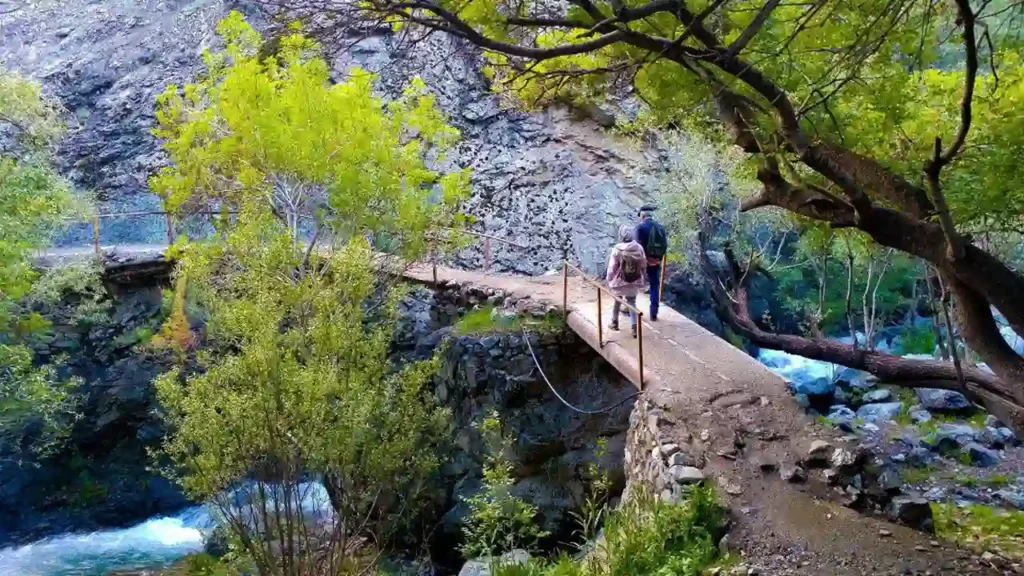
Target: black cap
point(648, 208)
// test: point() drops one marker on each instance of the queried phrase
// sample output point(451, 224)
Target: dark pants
point(654, 279)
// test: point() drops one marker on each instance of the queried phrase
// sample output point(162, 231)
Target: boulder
point(855, 379)
point(949, 436)
point(686, 474)
point(1007, 436)
point(912, 511)
point(942, 400)
point(841, 415)
point(981, 456)
point(883, 412)
point(814, 387)
point(792, 473)
point(919, 457)
point(819, 450)
point(876, 396)
point(919, 415)
point(1011, 498)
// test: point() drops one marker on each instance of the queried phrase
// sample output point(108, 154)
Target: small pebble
point(884, 533)
point(920, 548)
point(934, 543)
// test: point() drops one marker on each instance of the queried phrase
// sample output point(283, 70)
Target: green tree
point(34, 201)
point(856, 114)
point(293, 383)
point(285, 376)
point(321, 156)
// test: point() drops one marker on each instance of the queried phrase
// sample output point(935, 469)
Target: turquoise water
point(154, 543)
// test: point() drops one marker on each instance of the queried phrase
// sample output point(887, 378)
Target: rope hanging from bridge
point(536, 362)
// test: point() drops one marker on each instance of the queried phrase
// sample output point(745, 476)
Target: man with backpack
point(627, 266)
point(651, 235)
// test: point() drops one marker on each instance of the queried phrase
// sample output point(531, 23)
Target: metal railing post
point(600, 333)
point(96, 233)
point(170, 229)
point(661, 282)
point(565, 291)
point(640, 345)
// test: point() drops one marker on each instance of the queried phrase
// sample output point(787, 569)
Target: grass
point(998, 480)
point(981, 528)
point(967, 480)
point(917, 475)
point(645, 536)
point(480, 321)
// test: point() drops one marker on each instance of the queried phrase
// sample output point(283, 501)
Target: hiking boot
point(634, 331)
point(613, 327)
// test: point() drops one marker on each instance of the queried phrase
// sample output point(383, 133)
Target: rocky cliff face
point(552, 180)
point(554, 446)
point(101, 476)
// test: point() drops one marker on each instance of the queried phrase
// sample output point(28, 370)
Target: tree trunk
point(982, 387)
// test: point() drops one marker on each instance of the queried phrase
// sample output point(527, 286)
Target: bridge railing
point(601, 289)
point(488, 253)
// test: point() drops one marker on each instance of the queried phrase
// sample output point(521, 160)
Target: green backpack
point(657, 242)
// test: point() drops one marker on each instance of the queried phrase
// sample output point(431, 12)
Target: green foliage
point(35, 394)
point(645, 536)
point(277, 129)
point(877, 78)
point(484, 320)
point(78, 283)
point(594, 510)
point(981, 528)
point(33, 117)
point(918, 340)
point(917, 475)
point(294, 381)
point(34, 201)
point(998, 480)
point(498, 521)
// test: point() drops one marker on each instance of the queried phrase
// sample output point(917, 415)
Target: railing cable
point(536, 362)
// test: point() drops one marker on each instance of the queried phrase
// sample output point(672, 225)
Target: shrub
point(498, 520)
point(645, 536)
point(483, 320)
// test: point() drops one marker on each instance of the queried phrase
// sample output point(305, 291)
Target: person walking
point(626, 272)
point(650, 234)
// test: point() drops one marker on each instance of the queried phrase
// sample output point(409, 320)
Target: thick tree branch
point(980, 385)
point(967, 19)
point(459, 26)
point(755, 26)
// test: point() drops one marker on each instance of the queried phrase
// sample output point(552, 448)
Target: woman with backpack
point(627, 271)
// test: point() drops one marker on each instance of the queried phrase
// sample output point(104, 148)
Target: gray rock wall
point(551, 180)
point(554, 446)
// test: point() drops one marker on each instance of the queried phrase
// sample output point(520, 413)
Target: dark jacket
point(643, 231)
